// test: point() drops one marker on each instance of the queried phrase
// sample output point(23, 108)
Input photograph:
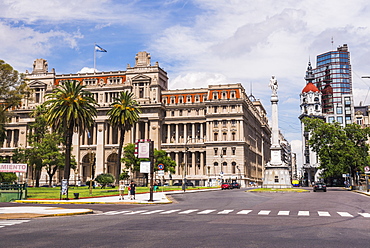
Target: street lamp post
point(91, 162)
point(186, 160)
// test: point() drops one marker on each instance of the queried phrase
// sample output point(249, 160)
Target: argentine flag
point(99, 49)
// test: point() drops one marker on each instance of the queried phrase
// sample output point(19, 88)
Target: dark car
point(226, 186)
point(235, 185)
point(319, 186)
point(189, 184)
point(177, 184)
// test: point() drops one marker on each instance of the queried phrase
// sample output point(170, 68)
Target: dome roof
point(310, 87)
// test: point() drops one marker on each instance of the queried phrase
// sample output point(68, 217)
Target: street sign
point(161, 173)
point(160, 166)
point(367, 168)
point(64, 187)
point(144, 166)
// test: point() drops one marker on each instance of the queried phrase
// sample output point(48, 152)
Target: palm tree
point(123, 115)
point(70, 108)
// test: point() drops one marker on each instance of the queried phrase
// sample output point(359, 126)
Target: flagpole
point(94, 56)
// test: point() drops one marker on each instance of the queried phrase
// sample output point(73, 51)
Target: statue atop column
point(273, 85)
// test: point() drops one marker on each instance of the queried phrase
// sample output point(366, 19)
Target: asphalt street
point(232, 218)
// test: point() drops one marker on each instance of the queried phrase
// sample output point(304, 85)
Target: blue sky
point(198, 42)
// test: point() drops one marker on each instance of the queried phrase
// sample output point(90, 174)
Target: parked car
point(319, 186)
point(177, 184)
point(226, 186)
point(189, 184)
point(235, 185)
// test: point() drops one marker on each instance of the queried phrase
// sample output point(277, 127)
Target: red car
point(226, 186)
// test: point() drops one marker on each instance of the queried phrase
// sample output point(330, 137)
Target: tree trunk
point(67, 166)
point(37, 176)
point(118, 166)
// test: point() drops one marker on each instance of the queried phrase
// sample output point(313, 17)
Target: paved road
point(232, 218)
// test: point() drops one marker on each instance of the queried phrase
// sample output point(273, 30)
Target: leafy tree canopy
point(12, 90)
point(105, 179)
point(160, 157)
point(340, 149)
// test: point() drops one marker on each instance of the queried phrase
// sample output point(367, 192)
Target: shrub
point(105, 179)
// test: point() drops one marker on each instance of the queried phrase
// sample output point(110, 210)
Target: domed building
point(310, 104)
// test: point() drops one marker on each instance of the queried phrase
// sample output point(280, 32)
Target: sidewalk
point(23, 212)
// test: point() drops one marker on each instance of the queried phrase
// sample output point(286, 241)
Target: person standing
point(121, 190)
point(132, 190)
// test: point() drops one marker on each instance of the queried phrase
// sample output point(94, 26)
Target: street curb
point(78, 202)
point(13, 216)
point(362, 192)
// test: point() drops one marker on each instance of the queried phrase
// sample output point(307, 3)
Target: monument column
point(276, 171)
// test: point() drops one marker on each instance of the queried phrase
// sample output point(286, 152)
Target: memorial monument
point(276, 171)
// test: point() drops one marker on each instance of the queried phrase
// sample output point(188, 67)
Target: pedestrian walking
point(121, 190)
point(132, 190)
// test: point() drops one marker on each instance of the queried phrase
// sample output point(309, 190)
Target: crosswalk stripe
point(366, 215)
point(264, 212)
point(323, 213)
point(188, 211)
point(345, 214)
point(244, 212)
point(152, 212)
point(207, 211)
point(115, 212)
point(226, 211)
point(283, 212)
point(135, 212)
point(303, 213)
point(12, 222)
point(170, 211)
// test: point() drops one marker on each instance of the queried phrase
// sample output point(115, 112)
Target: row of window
point(224, 136)
point(224, 151)
point(331, 119)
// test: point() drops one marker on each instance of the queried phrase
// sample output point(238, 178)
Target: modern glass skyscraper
point(333, 78)
point(327, 95)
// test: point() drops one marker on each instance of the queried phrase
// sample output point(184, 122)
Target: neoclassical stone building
point(215, 133)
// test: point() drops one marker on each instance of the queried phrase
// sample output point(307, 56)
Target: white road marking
point(226, 211)
point(345, 214)
point(170, 211)
point(264, 212)
point(283, 212)
point(188, 211)
point(323, 213)
point(303, 213)
point(153, 212)
point(135, 212)
point(207, 211)
point(244, 212)
point(115, 212)
point(366, 215)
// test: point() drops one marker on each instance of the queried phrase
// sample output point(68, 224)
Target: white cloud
point(22, 44)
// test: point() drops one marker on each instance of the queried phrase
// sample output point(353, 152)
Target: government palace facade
point(213, 134)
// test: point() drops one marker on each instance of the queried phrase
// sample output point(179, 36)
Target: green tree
point(70, 108)
point(13, 89)
point(105, 179)
point(340, 149)
point(125, 112)
point(8, 177)
point(160, 157)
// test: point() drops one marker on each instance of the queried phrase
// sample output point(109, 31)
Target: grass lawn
point(299, 190)
point(54, 193)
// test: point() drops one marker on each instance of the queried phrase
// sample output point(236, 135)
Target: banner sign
point(13, 168)
point(144, 150)
point(145, 167)
point(64, 187)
